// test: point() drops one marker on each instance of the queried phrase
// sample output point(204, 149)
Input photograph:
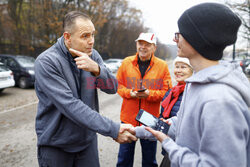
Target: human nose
point(91, 40)
point(143, 45)
point(178, 69)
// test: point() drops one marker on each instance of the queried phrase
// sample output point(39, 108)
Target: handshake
point(126, 134)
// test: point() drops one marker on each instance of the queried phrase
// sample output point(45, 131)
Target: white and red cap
point(148, 37)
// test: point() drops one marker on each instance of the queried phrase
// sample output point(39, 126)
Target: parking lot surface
point(12, 98)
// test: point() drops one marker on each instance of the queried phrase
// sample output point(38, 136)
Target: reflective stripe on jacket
point(157, 80)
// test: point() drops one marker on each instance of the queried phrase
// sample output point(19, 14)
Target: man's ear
point(155, 47)
point(67, 38)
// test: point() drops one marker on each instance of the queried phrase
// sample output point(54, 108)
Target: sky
point(161, 15)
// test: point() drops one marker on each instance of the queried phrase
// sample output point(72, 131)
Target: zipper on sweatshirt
point(76, 75)
point(139, 124)
point(141, 82)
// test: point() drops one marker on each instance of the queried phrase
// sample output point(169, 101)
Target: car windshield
point(3, 68)
point(26, 61)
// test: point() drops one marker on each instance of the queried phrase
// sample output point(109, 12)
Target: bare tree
point(243, 11)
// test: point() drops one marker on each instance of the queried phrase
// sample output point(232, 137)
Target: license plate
point(3, 78)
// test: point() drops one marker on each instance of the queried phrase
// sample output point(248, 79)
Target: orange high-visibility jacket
point(157, 80)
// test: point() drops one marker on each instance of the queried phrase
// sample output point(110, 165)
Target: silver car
point(6, 77)
point(113, 64)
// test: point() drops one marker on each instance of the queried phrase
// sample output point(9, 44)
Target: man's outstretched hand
point(126, 134)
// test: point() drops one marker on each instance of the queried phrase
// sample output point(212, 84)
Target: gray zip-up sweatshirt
point(67, 115)
point(212, 127)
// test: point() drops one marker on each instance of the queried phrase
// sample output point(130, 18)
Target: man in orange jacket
point(143, 80)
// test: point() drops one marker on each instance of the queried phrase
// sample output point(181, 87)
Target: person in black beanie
point(212, 127)
point(209, 28)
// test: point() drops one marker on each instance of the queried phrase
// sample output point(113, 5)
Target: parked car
point(247, 69)
point(245, 65)
point(241, 58)
point(113, 64)
point(22, 67)
point(6, 77)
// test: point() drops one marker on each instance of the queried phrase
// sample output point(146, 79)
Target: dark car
point(22, 67)
point(245, 64)
point(241, 58)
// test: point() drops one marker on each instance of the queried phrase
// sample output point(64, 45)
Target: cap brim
point(139, 39)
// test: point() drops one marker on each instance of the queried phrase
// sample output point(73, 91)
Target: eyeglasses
point(176, 36)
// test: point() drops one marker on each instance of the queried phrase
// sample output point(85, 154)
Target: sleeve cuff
point(115, 128)
point(142, 133)
point(168, 143)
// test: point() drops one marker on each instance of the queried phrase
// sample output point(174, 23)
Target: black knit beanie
point(209, 28)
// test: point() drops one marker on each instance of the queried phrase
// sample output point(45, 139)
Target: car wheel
point(22, 83)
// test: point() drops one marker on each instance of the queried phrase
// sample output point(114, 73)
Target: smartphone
point(148, 119)
point(141, 90)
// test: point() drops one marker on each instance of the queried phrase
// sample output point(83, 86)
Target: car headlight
point(31, 72)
